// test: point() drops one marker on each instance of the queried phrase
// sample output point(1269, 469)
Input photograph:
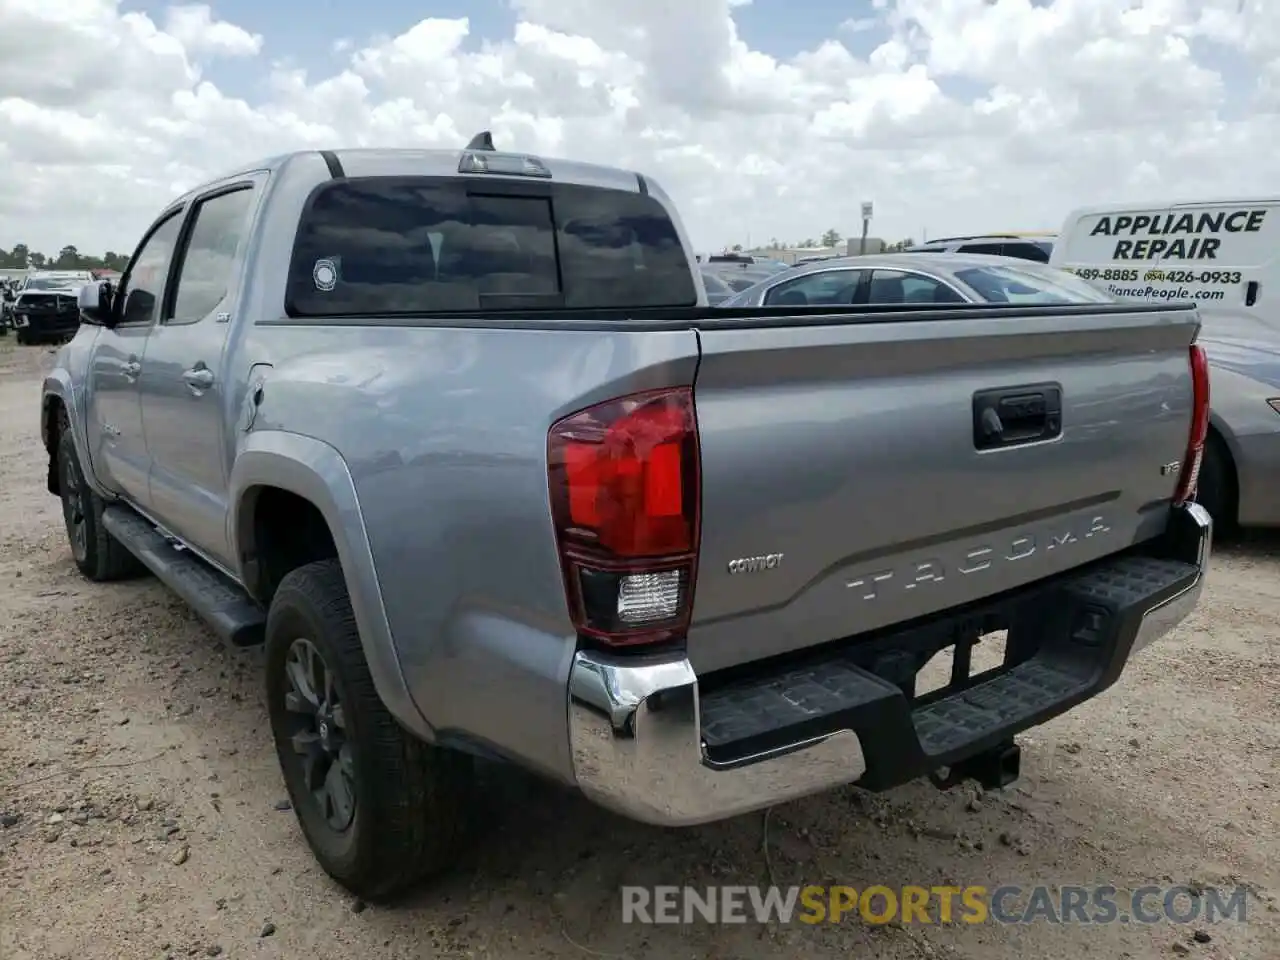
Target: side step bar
point(229, 611)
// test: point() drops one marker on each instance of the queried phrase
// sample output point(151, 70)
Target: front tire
point(380, 809)
point(98, 555)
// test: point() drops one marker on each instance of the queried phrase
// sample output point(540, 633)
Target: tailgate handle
point(1013, 416)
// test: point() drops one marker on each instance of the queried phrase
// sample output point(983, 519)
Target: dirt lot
point(143, 816)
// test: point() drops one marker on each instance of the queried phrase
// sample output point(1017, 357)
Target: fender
point(1239, 414)
point(57, 383)
point(316, 471)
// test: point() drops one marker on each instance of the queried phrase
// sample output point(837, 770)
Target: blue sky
point(303, 35)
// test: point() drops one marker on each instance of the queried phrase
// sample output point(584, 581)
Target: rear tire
point(380, 809)
point(98, 555)
point(1217, 488)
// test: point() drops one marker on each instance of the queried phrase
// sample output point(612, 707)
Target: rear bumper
point(651, 744)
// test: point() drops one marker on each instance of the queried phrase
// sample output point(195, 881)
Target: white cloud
point(859, 24)
point(195, 28)
point(972, 114)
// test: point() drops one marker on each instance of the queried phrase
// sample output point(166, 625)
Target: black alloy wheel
point(73, 510)
point(318, 734)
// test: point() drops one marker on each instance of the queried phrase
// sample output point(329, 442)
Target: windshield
point(1015, 285)
point(48, 283)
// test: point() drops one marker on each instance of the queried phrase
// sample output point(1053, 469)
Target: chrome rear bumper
point(637, 724)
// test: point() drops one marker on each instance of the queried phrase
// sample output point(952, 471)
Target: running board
point(225, 607)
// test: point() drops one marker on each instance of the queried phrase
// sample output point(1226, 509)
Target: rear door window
point(826, 288)
point(209, 260)
point(418, 245)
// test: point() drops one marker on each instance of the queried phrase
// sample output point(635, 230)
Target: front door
point(116, 442)
point(185, 398)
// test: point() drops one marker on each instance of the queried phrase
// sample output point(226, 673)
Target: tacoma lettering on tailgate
point(982, 556)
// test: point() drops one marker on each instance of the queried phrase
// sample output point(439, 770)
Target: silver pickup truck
point(455, 434)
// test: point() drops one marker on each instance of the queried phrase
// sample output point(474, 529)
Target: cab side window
point(828, 288)
point(210, 257)
point(143, 286)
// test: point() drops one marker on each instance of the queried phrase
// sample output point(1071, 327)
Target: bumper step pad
point(1075, 634)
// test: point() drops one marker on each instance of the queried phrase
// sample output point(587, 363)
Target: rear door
point(117, 445)
point(184, 384)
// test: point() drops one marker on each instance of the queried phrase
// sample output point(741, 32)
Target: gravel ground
point(142, 812)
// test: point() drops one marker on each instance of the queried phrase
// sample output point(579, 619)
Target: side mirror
point(95, 303)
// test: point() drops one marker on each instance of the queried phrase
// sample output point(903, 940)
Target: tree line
point(831, 238)
point(68, 258)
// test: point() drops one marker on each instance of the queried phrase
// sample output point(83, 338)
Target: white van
point(1223, 254)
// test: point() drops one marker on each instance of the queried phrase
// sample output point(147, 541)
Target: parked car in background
point(1224, 256)
point(885, 278)
point(45, 309)
point(7, 298)
point(740, 276)
point(1037, 249)
point(717, 289)
point(1241, 468)
point(486, 488)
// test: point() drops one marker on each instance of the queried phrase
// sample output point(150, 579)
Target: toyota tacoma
point(455, 435)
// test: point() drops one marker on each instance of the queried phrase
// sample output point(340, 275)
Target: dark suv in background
point(993, 244)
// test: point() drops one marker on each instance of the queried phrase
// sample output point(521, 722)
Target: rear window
point(49, 283)
point(418, 245)
point(1034, 285)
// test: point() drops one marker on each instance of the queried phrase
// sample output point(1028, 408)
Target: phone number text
point(1158, 276)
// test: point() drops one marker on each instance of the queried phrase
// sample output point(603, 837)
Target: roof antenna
point(482, 141)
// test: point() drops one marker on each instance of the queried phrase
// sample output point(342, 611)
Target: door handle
point(132, 370)
point(198, 377)
point(1010, 416)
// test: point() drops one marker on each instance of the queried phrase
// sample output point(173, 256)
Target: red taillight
point(1190, 475)
point(624, 479)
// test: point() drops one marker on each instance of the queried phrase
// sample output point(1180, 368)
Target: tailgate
point(843, 484)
